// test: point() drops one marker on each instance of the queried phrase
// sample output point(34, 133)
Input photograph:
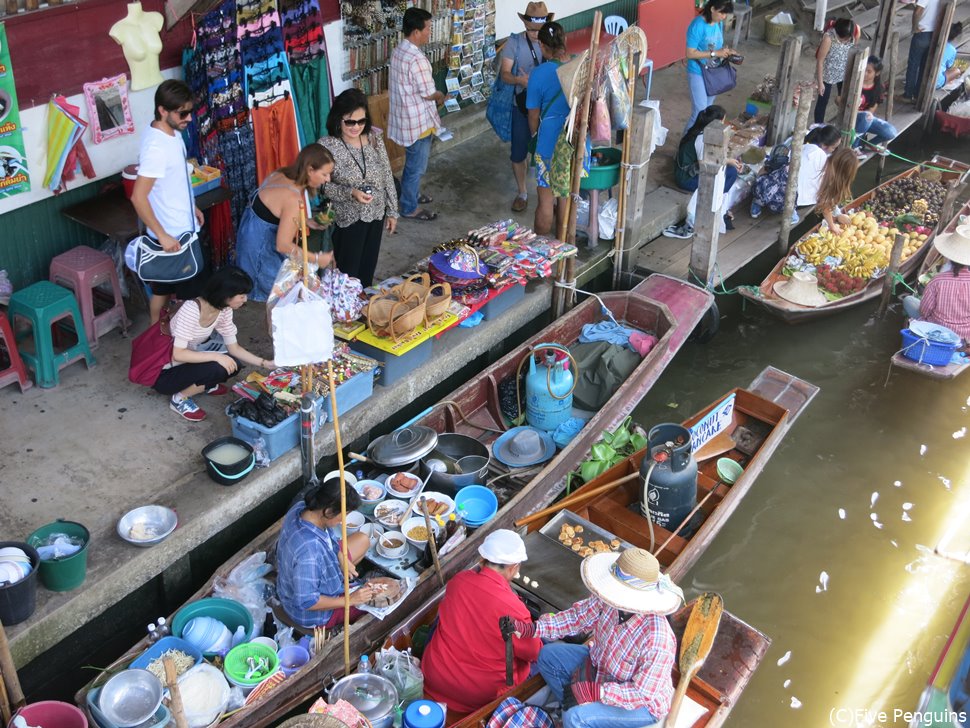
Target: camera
point(366, 189)
point(736, 58)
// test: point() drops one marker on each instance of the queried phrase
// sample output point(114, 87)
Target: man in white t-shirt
point(163, 190)
point(926, 15)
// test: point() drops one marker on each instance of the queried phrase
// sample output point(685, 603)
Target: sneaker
point(755, 210)
point(218, 390)
point(683, 231)
point(187, 409)
point(728, 222)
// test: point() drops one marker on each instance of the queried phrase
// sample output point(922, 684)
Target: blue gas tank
point(548, 389)
point(671, 493)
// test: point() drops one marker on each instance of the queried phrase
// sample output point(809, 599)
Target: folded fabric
point(642, 343)
point(606, 331)
point(567, 431)
point(474, 320)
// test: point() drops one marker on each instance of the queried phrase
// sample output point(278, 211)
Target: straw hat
point(955, 246)
point(631, 582)
point(536, 15)
point(524, 446)
point(569, 73)
point(801, 288)
point(503, 547)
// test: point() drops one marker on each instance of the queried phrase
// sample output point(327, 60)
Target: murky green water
point(895, 458)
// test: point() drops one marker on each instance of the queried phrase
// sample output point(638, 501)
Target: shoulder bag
point(719, 79)
point(151, 350)
point(520, 96)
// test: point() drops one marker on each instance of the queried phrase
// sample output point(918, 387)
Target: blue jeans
point(919, 49)
point(520, 136)
point(699, 100)
point(730, 177)
point(557, 663)
point(415, 163)
point(911, 306)
point(884, 131)
point(256, 253)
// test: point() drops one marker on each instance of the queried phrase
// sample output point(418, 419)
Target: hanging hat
point(523, 446)
point(631, 582)
point(462, 262)
point(955, 246)
point(801, 288)
point(503, 547)
point(571, 72)
point(536, 15)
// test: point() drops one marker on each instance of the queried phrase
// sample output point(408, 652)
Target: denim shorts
point(520, 136)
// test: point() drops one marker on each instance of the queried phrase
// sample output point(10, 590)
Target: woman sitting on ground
point(866, 121)
point(269, 227)
point(836, 188)
point(946, 299)
point(193, 371)
point(309, 562)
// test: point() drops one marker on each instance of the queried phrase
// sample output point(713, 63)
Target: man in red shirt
point(464, 663)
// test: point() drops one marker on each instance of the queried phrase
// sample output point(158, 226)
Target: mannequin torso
point(138, 35)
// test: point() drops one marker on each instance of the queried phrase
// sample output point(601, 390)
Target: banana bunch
point(919, 207)
point(819, 246)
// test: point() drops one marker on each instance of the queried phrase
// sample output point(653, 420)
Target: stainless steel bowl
point(155, 523)
point(130, 697)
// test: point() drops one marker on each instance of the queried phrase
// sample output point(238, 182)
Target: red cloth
point(464, 664)
point(946, 301)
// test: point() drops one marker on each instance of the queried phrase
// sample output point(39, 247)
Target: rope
point(886, 152)
point(724, 291)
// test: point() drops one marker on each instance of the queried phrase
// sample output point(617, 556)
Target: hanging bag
point(302, 328)
point(151, 350)
point(719, 79)
point(620, 104)
point(499, 109)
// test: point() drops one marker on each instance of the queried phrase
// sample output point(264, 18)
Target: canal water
point(831, 552)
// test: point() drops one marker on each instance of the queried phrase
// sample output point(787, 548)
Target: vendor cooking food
point(464, 662)
point(624, 676)
point(309, 561)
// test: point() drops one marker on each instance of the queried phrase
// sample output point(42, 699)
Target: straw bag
point(417, 286)
point(389, 316)
point(437, 304)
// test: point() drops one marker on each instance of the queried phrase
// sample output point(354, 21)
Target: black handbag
point(719, 79)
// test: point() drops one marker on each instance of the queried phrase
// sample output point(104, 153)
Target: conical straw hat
point(955, 246)
point(572, 75)
point(801, 288)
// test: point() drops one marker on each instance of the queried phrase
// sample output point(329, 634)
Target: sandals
point(520, 203)
point(422, 214)
point(425, 199)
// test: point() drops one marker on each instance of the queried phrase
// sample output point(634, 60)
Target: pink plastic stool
point(16, 372)
point(82, 269)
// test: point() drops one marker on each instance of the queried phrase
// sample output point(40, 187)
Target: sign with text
point(714, 423)
point(14, 177)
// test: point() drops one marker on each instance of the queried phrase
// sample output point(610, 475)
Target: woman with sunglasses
point(361, 188)
point(268, 231)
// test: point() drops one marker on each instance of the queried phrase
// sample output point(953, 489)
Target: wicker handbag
point(437, 304)
point(417, 286)
point(389, 316)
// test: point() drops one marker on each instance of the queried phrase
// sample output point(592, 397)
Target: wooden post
point(892, 69)
point(5, 713)
point(175, 695)
point(780, 120)
point(8, 669)
point(946, 212)
point(927, 89)
point(641, 140)
point(852, 91)
point(883, 39)
point(887, 282)
point(806, 96)
point(619, 235)
point(707, 222)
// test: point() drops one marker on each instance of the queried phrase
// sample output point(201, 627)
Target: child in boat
point(836, 187)
point(623, 677)
point(946, 300)
point(310, 582)
point(464, 662)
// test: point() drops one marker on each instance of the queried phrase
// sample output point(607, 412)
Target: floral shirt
point(348, 174)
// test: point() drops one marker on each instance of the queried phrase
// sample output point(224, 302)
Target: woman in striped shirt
point(193, 370)
point(946, 300)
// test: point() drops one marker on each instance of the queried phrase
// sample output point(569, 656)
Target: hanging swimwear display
point(14, 175)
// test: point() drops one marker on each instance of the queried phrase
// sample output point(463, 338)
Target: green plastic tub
point(606, 175)
point(63, 574)
point(228, 611)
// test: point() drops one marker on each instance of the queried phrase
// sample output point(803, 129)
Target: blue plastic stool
point(42, 305)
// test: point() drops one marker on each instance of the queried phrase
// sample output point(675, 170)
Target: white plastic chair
point(614, 24)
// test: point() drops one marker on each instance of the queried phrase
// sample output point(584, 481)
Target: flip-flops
point(422, 214)
point(425, 199)
point(520, 203)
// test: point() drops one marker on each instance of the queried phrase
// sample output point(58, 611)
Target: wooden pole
point(431, 542)
point(641, 140)
point(806, 96)
point(707, 221)
point(5, 712)
point(892, 70)
point(934, 59)
point(9, 672)
point(852, 91)
point(575, 498)
point(887, 282)
point(883, 39)
point(686, 520)
point(780, 118)
point(344, 548)
point(175, 695)
point(946, 212)
point(619, 237)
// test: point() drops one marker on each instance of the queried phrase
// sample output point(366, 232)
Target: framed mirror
point(108, 108)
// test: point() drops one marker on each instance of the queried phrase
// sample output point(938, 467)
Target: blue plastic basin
point(477, 504)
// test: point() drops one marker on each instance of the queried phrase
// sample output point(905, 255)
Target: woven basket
point(437, 303)
point(417, 286)
point(390, 317)
point(319, 721)
point(775, 33)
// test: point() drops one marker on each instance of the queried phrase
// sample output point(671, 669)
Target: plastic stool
point(81, 270)
point(647, 74)
point(42, 305)
point(16, 372)
point(742, 18)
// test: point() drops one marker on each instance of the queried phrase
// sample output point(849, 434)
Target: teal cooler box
point(395, 367)
point(350, 393)
point(495, 307)
point(279, 439)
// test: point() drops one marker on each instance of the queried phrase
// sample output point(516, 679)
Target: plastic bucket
point(128, 176)
point(292, 658)
point(229, 473)
point(63, 574)
point(52, 714)
point(477, 504)
point(18, 600)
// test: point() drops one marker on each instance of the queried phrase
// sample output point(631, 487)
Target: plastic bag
point(402, 669)
point(620, 106)
point(248, 585)
point(117, 253)
point(289, 274)
point(607, 219)
point(582, 213)
point(599, 129)
point(342, 292)
point(6, 288)
point(302, 328)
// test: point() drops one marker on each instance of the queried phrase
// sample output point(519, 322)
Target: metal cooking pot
point(449, 448)
point(402, 447)
point(373, 695)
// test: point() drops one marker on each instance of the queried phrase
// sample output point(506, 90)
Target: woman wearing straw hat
point(623, 678)
point(946, 300)
point(464, 663)
point(520, 55)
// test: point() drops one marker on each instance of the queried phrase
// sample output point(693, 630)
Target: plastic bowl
point(415, 480)
point(367, 505)
point(413, 523)
point(389, 513)
point(392, 553)
point(728, 470)
point(441, 498)
point(236, 665)
point(231, 613)
point(130, 697)
point(156, 521)
point(477, 504)
point(355, 520)
point(349, 479)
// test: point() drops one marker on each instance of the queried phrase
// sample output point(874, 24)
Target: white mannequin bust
point(138, 35)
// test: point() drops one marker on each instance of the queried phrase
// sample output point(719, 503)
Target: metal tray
point(591, 532)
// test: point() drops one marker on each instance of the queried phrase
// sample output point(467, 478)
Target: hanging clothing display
point(277, 140)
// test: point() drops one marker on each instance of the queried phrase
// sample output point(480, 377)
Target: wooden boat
point(737, 652)
point(945, 702)
point(666, 306)
point(793, 313)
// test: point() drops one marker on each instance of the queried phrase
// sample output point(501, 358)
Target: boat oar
point(696, 645)
point(577, 497)
point(175, 696)
point(431, 544)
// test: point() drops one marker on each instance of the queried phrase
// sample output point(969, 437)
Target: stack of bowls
point(207, 634)
point(477, 504)
point(14, 565)
point(229, 612)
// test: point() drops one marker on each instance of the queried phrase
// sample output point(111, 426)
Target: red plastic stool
point(16, 372)
point(82, 269)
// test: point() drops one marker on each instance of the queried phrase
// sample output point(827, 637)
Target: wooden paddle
point(575, 498)
point(696, 645)
point(175, 697)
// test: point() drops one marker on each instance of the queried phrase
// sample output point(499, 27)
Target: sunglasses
point(355, 122)
point(181, 113)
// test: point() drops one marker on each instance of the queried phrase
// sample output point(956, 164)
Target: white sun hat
point(503, 546)
point(631, 582)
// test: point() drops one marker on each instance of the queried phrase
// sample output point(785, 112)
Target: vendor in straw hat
point(520, 55)
point(624, 676)
point(946, 300)
point(464, 663)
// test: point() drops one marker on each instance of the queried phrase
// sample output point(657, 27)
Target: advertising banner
point(14, 177)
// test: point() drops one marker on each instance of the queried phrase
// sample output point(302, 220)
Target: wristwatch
point(713, 54)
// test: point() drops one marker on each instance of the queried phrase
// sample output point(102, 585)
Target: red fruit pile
point(837, 281)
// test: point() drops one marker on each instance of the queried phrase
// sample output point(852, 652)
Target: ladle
point(434, 466)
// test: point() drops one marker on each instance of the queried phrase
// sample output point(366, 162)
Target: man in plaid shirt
point(413, 116)
point(623, 677)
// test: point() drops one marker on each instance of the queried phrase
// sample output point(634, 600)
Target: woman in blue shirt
point(949, 72)
point(310, 582)
point(705, 41)
point(548, 110)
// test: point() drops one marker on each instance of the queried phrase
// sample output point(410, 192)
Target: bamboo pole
point(575, 498)
point(805, 97)
point(633, 67)
point(344, 548)
point(175, 696)
point(9, 672)
point(305, 369)
point(5, 712)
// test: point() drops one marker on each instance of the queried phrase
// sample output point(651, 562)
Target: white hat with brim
point(955, 246)
point(801, 288)
point(640, 589)
point(524, 446)
point(503, 547)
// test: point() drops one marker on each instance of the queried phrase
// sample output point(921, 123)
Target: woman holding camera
point(361, 188)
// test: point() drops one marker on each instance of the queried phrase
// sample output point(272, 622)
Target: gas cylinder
point(424, 714)
point(548, 389)
point(671, 492)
